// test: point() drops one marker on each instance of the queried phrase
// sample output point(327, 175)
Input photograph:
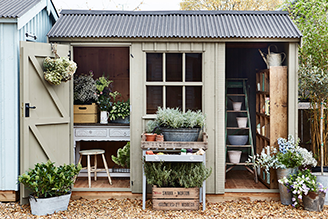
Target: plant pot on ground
point(46, 181)
point(178, 126)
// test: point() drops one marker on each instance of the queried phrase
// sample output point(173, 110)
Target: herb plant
point(46, 180)
point(174, 118)
point(165, 174)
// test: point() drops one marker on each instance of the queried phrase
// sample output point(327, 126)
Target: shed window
point(174, 80)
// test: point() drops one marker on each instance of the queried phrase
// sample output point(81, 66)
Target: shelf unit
point(271, 114)
point(239, 85)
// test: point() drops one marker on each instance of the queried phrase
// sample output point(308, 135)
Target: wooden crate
point(170, 198)
point(86, 113)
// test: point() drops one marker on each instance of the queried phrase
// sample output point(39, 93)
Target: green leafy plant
point(123, 156)
point(47, 180)
point(58, 70)
point(174, 118)
point(120, 109)
point(103, 93)
point(85, 90)
point(310, 16)
point(165, 174)
point(300, 184)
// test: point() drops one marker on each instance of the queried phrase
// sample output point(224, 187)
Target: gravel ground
point(127, 208)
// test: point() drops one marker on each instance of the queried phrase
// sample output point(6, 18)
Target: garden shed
point(184, 59)
point(20, 20)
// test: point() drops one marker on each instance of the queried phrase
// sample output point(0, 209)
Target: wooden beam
point(8, 196)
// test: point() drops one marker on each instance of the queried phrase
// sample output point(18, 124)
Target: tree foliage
point(230, 4)
point(311, 18)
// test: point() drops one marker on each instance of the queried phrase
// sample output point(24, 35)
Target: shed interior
point(113, 63)
point(243, 60)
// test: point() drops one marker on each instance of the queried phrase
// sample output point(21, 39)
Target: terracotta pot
point(150, 136)
point(160, 138)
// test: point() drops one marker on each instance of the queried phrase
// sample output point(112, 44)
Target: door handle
point(27, 109)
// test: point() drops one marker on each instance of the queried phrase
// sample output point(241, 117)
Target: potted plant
point(120, 112)
point(58, 70)
point(152, 130)
point(178, 126)
point(303, 186)
point(176, 182)
point(103, 102)
point(123, 156)
point(286, 160)
point(85, 89)
point(50, 186)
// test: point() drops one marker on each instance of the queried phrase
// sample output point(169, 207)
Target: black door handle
point(27, 109)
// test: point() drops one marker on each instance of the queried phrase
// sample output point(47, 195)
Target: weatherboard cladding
point(174, 24)
point(15, 8)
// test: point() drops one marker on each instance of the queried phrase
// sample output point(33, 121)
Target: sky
point(127, 5)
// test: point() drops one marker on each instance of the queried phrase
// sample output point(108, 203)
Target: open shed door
point(45, 122)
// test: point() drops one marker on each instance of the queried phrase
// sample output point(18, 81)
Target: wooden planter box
point(170, 198)
point(86, 113)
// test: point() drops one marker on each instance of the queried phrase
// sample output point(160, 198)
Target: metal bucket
point(314, 201)
point(285, 195)
point(180, 134)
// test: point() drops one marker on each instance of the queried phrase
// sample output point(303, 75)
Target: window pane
point(154, 98)
point(193, 67)
point(154, 67)
point(174, 97)
point(173, 67)
point(194, 98)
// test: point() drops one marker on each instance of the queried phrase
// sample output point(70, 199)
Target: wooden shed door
point(45, 127)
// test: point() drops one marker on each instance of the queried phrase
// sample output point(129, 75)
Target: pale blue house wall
point(10, 37)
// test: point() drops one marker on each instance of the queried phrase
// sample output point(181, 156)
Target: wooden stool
point(94, 169)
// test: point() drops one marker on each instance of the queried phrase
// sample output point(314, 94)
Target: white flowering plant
point(290, 155)
point(85, 90)
point(301, 183)
point(58, 70)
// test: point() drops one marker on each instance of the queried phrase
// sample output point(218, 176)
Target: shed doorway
point(243, 60)
point(113, 63)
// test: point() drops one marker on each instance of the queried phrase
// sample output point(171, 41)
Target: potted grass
point(179, 126)
point(50, 186)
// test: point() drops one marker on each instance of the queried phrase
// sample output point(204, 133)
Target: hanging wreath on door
point(57, 70)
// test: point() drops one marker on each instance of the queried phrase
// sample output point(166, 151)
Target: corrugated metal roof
point(15, 8)
point(174, 24)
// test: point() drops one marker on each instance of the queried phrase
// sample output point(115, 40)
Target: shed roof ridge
point(173, 12)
